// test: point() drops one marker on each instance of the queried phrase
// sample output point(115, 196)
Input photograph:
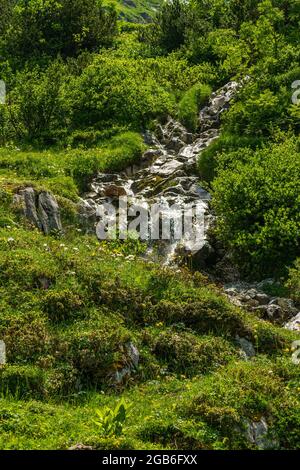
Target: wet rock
point(169, 168)
point(151, 155)
point(262, 298)
point(175, 144)
point(150, 138)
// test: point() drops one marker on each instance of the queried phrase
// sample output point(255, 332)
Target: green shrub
point(208, 159)
point(185, 353)
point(211, 313)
point(22, 381)
point(26, 337)
point(244, 392)
point(190, 104)
point(293, 282)
point(62, 304)
point(118, 91)
point(95, 351)
point(30, 269)
point(50, 28)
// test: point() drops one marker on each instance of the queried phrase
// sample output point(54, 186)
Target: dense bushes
point(86, 101)
point(39, 28)
point(256, 196)
point(135, 97)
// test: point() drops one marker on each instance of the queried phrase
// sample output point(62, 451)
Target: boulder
point(131, 362)
point(40, 208)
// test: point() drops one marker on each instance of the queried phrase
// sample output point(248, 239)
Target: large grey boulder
point(48, 213)
point(31, 203)
point(40, 208)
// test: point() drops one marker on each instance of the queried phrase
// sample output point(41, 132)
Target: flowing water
point(166, 176)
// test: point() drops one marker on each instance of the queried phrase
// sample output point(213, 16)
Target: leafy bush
point(208, 159)
point(66, 27)
point(95, 351)
point(36, 103)
point(26, 337)
point(62, 304)
point(190, 104)
point(114, 90)
point(293, 282)
point(257, 200)
point(110, 421)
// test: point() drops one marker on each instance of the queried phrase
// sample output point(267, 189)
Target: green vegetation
point(82, 87)
point(257, 196)
point(141, 11)
point(192, 101)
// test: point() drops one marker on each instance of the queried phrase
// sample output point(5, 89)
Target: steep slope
point(138, 10)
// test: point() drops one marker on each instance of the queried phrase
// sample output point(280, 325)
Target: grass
point(67, 173)
point(68, 309)
point(167, 413)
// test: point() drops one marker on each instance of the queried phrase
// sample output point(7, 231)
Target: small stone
point(246, 346)
point(80, 447)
